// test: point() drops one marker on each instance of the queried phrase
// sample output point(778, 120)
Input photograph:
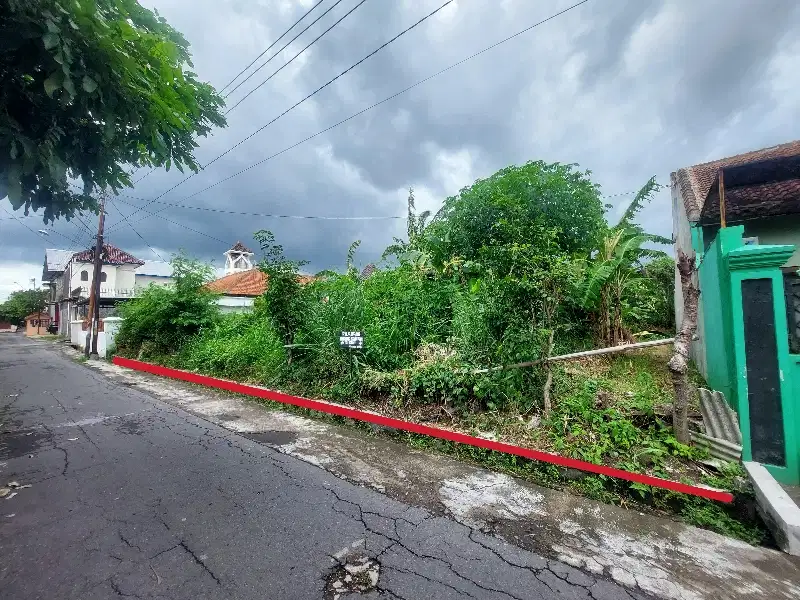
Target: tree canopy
point(22, 303)
point(89, 90)
point(519, 205)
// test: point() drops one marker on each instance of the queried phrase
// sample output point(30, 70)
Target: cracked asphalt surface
point(131, 496)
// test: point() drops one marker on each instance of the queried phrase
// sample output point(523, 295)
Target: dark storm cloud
point(628, 89)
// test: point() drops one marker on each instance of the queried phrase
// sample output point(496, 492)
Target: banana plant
point(615, 267)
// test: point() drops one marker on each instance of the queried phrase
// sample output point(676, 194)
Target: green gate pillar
point(764, 370)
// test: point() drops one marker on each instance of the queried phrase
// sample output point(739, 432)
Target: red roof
point(695, 182)
point(39, 315)
point(246, 283)
point(240, 247)
point(111, 256)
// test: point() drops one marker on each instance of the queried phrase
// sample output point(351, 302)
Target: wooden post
point(722, 220)
point(94, 294)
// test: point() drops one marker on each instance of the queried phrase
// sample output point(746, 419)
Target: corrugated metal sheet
point(719, 419)
point(718, 448)
point(723, 438)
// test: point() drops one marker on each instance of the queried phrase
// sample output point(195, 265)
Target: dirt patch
point(226, 416)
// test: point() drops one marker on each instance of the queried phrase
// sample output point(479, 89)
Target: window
point(84, 275)
point(103, 277)
point(750, 241)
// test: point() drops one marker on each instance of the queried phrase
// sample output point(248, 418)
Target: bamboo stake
point(576, 355)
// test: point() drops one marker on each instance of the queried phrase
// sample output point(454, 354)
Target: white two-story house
point(122, 276)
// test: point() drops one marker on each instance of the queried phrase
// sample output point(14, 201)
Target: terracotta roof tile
point(244, 283)
point(113, 256)
point(240, 247)
point(695, 182)
point(247, 283)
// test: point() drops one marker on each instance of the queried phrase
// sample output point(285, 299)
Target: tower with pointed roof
point(238, 259)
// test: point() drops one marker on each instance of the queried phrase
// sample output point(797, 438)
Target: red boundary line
point(461, 438)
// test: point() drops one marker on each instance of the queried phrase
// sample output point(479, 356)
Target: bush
point(243, 346)
point(163, 319)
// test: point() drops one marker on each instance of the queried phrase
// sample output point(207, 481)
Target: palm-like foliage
point(616, 267)
point(411, 251)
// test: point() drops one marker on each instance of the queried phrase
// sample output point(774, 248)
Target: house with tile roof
point(740, 219)
point(242, 282)
point(70, 276)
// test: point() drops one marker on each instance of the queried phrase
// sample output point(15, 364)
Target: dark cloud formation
point(627, 89)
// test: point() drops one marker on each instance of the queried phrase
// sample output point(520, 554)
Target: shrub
point(163, 319)
point(243, 346)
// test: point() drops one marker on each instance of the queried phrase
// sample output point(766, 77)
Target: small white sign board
point(351, 340)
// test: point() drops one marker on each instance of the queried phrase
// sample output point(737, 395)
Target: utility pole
point(94, 293)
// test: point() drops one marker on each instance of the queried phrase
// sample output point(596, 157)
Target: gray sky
point(625, 88)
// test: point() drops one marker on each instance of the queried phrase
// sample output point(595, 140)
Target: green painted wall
point(715, 303)
point(726, 263)
point(777, 230)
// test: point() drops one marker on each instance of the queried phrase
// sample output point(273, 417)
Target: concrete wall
point(105, 339)
point(689, 240)
point(717, 363)
point(122, 277)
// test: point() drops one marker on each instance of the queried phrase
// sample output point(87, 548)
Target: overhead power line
point(153, 170)
point(286, 45)
point(39, 235)
point(309, 96)
point(139, 235)
point(295, 24)
point(269, 215)
point(387, 99)
point(175, 223)
point(291, 60)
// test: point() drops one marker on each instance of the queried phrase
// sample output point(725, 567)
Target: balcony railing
point(105, 292)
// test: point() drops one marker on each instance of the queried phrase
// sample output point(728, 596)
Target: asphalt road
point(132, 497)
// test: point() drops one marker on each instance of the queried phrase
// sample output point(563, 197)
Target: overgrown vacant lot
point(518, 267)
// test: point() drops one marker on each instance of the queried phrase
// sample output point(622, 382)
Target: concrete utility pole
point(94, 293)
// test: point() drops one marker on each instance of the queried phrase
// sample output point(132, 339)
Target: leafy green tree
point(519, 205)
point(22, 303)
point(163, 319)
point(88, 89)
point(283, 296)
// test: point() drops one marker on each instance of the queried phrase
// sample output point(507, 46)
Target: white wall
point(105, 339)
point(682, 232)
point(125, 278)
point(235, 304)
point(122, 277)
point(142, 281)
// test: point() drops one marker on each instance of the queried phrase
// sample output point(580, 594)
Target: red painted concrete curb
point(352, 413)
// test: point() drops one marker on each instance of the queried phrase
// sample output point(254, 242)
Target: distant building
point(37, 323)
point(70, 276)
point(242, 282)
point(156, 272)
